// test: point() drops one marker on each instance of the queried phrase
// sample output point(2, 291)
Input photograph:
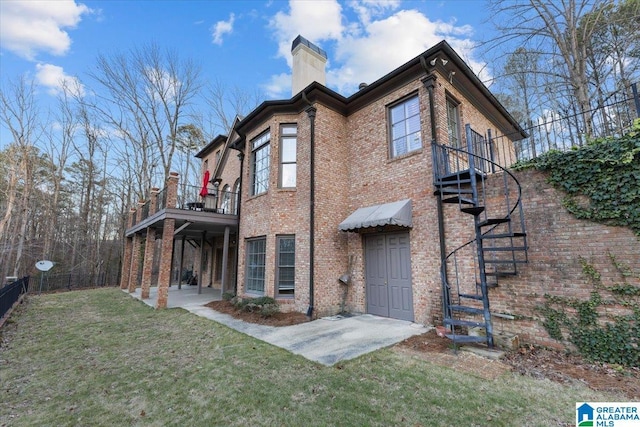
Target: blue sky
point(243, 44)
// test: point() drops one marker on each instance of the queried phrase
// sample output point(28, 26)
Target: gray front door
point(388, 276)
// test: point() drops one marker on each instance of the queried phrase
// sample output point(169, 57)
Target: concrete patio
point(326, 340)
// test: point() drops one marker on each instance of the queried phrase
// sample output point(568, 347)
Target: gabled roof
point(211, 146)
point(227, 146)
point(470, 85)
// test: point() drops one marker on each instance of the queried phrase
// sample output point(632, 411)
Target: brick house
point(330, 203)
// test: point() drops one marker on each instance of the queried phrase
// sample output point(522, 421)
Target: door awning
point(396, 213)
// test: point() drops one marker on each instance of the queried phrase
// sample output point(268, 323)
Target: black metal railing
point(145, 209)
point(10, 293)
point(76, 280)
point(161, 200)
point(449, 161)
point(564, 130)
point(223, 202)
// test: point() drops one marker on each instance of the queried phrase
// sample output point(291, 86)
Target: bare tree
point(225, 104)
point(553, 30)
point(20, 114)
point(57, 144)
point(147, 93)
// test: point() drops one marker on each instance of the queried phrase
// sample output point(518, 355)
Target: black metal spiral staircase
point(489, 198)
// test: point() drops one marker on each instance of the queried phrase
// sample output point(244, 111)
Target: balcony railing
point(189, 198)
point(218, 201)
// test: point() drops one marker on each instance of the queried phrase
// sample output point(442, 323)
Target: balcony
point(194, 212)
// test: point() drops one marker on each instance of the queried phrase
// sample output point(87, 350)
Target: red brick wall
point(557, 242)
point(352, 170)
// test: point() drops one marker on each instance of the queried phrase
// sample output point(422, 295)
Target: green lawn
point(102, 358)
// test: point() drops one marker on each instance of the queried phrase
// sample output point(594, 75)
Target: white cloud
point(221, 28)
point(54, 78)
point(378, 39)
point(278, 84)
point(315, 21)
point(161, 85)
point(29, 27)
point(366, 9)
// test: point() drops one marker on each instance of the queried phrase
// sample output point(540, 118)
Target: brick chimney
point(309, 63)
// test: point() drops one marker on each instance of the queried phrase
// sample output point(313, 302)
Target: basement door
point(388, 276)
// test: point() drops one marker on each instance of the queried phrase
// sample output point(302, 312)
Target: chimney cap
point(301, 40)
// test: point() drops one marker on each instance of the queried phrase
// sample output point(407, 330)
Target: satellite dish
point(44, 265)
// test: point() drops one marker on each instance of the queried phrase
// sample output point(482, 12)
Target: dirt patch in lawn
point(531, 361)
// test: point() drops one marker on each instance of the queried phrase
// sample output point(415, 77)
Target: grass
point(102, 358)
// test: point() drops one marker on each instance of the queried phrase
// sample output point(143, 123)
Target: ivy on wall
point(606, 326)
point(601, 180)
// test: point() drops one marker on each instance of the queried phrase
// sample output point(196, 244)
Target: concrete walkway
point(326, 341)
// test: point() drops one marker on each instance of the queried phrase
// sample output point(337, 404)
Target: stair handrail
point(517, 205)
point(511, 175)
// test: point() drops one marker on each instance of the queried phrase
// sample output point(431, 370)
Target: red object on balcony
point(204, 191)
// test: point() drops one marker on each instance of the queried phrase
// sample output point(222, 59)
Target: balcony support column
point(166, 254)
point(147, 266)
point(225, 259)
point(166, 251)
point(135, 262)
point(127, 253)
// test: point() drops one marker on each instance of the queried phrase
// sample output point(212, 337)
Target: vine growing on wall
point(601, 180)
point(606, 326)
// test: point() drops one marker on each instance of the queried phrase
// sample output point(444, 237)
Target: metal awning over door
point(395, 213)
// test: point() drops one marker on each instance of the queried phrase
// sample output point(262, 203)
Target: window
point(285, 267)
point(225, 203)
point(260, 151)
point(256, 249)
point(453, 123)
point(405, 127)
point(288, 143)
point(236, 195)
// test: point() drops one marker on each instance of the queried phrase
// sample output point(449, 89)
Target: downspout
point(430, 83)
point(238, 208)
point(311, 112)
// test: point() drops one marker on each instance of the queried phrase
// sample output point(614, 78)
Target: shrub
point(269, 310)
point(228, 296)
point(601, 180)
point(266, 306)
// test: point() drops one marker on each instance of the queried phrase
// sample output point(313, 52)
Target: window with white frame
point(256, 255)
point(453, 123)
point(285, 265)
point(236, 196)
point(405, 126)
point(288, 144)
point(225, 202)
point(260, 152)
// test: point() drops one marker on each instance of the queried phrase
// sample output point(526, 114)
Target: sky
point(242, 44)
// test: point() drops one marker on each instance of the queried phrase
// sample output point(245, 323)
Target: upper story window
point(453, 123)
point(236, 196)
point(225, 203)
point(260, 153)
point(405, 126)
point(288, 144)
